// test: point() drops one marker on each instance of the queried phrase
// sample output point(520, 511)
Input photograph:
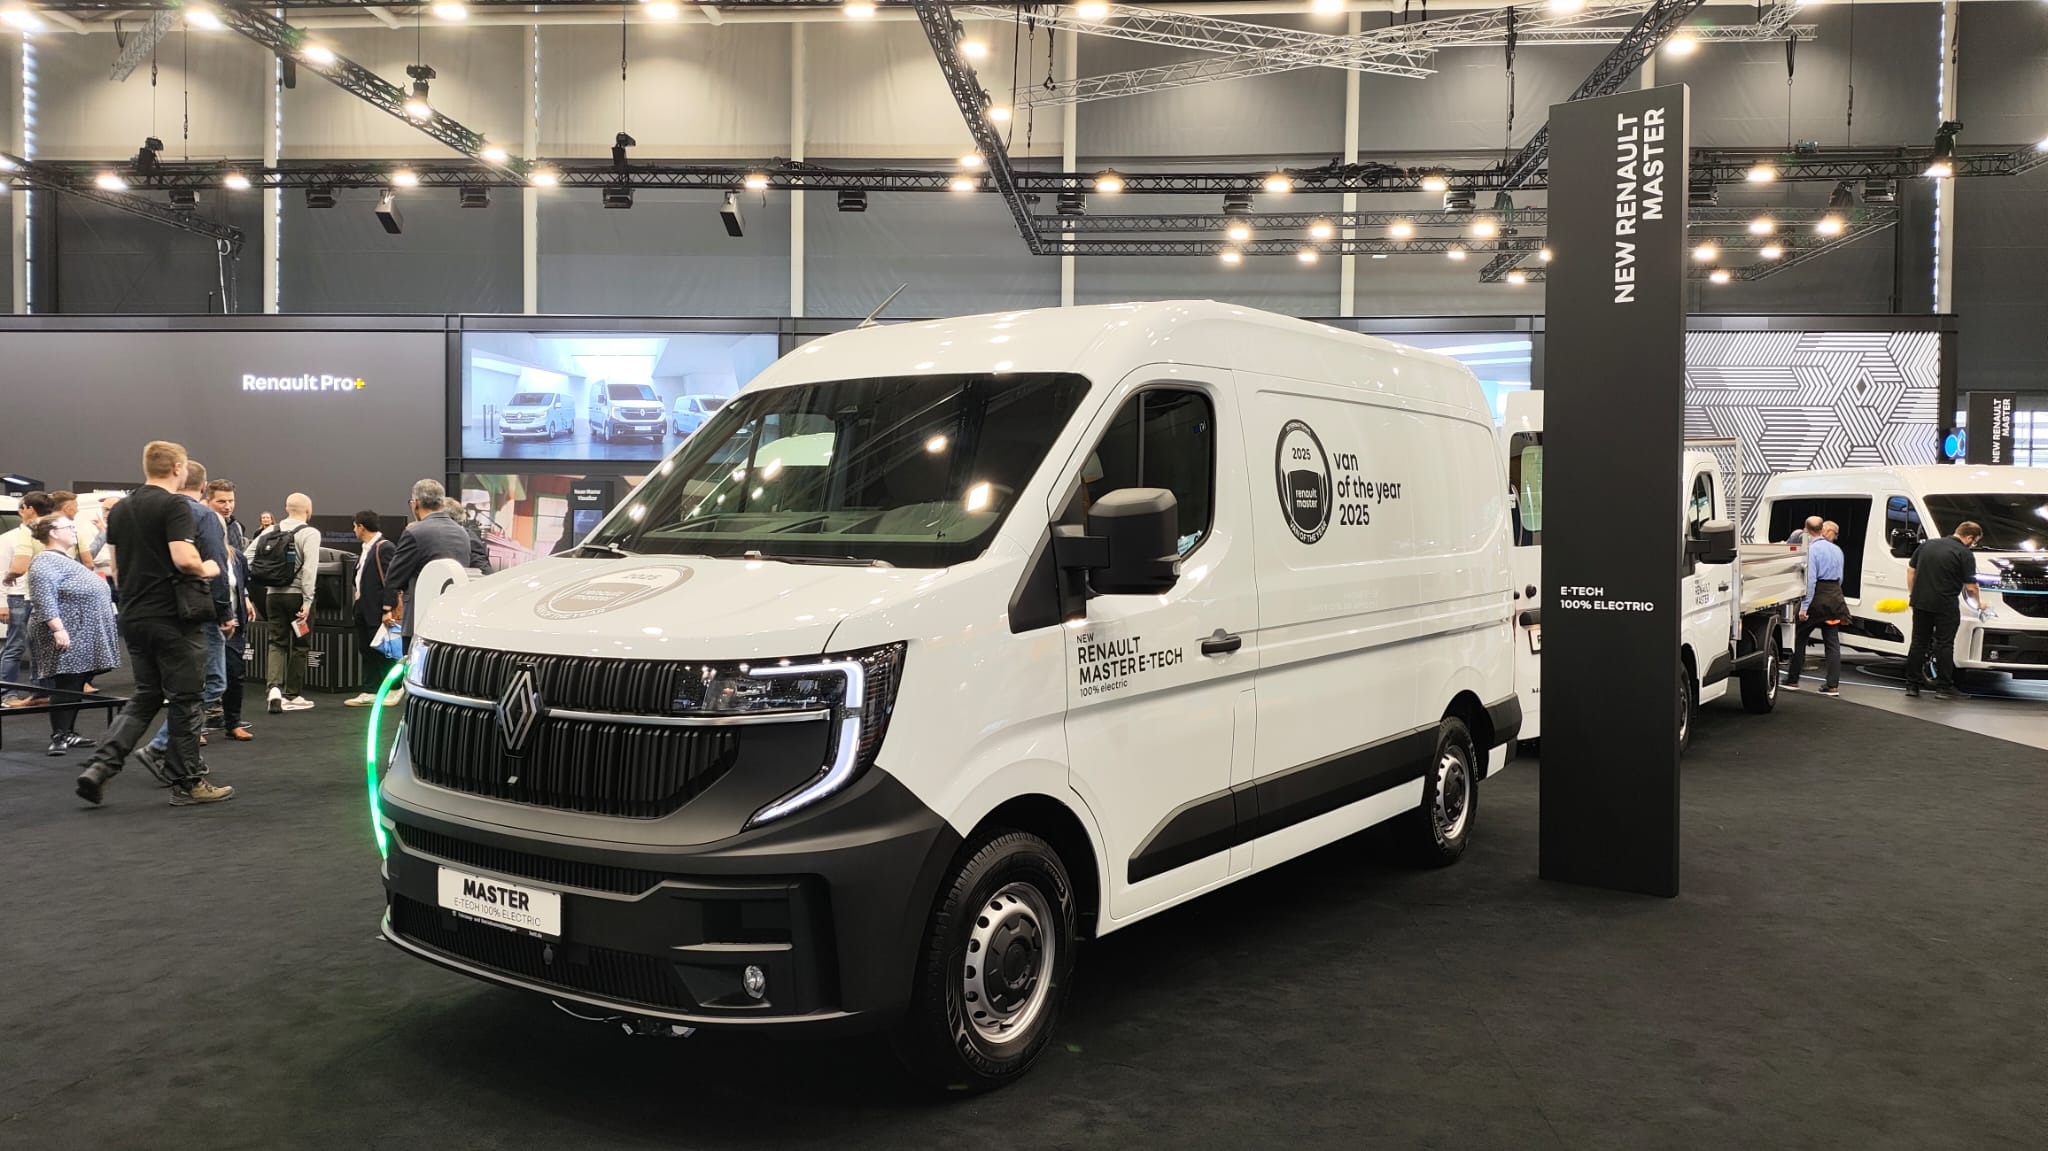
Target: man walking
point(152, 532)
point(1824, 607)
point(1939, 572)
point(220, 496)
point(434, 534)
point(210, 535)
point(371, 568)
point(18, 549)
point(286, 560)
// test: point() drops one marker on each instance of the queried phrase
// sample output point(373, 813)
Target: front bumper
point(508, 432)
point(1999, 645)
point(830, 904)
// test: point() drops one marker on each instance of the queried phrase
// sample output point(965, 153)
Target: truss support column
point(1347, 266)
point(1649, 71)
point(1069, 45)
point(798, 129)
point(1945, 190)
point(529, 196)
point(17, 210)
point(273, 196)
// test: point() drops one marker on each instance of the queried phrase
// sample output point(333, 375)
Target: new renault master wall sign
point(1304, 475)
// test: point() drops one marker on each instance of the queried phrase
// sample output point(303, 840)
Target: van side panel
point(1383, 593)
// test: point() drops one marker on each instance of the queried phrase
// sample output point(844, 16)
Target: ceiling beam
point(142, 43)
point(943, 32)
point(53, 178)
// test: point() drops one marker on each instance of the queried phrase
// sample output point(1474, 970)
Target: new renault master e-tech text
point(945, 646)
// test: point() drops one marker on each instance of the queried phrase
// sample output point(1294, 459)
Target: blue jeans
point(216, 686)
point(15, 653)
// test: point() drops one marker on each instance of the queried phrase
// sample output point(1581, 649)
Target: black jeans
point(66, 718)
point(170, 667)
point(375, 663)
point(287, 651)
point(1934, 632)
point(231, 698)
point(1831, 639)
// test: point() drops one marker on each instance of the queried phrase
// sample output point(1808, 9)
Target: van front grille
point(544, 868)
point(577, 683)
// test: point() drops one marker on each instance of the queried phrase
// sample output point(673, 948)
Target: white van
point(944, 646)
point(1887, 512)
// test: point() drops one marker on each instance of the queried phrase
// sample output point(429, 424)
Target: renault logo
point(519, 709)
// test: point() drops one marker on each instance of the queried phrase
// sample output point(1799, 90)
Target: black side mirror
point(1131, 546)
point(1713, 542)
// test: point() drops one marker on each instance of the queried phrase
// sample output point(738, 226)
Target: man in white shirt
point(371, 567)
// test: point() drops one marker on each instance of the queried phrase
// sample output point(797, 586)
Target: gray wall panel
point(110, 261)
point(2001, 247)
point(1283, 114)
point(668, 255)
point(448, 259)
point(1464, 106)
point(83, 115)
point(480, 74)
point(690, 90)
point(959, 254)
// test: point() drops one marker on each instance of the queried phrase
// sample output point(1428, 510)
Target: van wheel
point(1760, 687)
point(1688, 706)
point(992, 973)
point(1437, 830)
point(602, 432)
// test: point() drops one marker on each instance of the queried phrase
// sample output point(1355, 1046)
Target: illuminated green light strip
point(370, 754)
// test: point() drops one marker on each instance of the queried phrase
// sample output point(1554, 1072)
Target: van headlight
point(416, 663)
point(857, 689)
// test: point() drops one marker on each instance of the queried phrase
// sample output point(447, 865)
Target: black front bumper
point(831, 908)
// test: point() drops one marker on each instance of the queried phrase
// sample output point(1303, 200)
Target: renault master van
point(944, 647)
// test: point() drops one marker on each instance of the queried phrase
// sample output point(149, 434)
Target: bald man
point(289, 606)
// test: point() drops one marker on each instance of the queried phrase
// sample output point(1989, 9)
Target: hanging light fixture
point(1942, 163)
point(1108, 182)
point(1400, 230)
point(1321, 230)
point(1231, 257)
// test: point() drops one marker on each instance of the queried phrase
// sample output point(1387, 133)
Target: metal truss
point(56, 178)
point(943, 32)
point(1520, 219)
point(143, 42)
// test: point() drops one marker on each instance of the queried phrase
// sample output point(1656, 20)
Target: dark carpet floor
point(1859, 960)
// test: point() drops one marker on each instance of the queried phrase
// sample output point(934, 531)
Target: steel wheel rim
point(1006, 976)
point(1453, 805)
point(1771, 695)
point(1684, 709)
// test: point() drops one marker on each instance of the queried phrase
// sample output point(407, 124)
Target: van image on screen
point(620, 411)
point(544, 414)
point(944, 647)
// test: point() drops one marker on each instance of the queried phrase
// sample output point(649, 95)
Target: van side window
point(1160, 438)
point(1702, 507)
point(1902, 530)
point(1525, 487)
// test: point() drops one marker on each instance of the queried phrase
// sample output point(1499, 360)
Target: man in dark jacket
point(434, 534)
point(220, 496)
point(371, 568)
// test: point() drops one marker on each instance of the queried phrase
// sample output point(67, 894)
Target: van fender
point(1034, 776)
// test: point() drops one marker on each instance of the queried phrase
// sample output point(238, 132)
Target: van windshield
point(529, 400)
point(910, 471)
point(630, 391)
point(2012, 521)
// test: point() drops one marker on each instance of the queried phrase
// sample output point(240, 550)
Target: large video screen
point(598, 395)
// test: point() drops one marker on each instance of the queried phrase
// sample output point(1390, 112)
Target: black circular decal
point(1304, 476)
point(609, 592)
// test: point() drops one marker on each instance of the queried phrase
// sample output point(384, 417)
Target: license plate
point(489, 899)
point(1536, 638)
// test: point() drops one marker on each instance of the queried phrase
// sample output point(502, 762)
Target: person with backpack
point(285, 561)
point(371, 567)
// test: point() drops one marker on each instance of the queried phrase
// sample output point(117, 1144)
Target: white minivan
point(945, 646)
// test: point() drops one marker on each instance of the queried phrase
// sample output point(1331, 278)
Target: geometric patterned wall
point(1802, 400)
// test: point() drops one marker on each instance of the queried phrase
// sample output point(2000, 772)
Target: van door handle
point(1222, 643)
point(1722, 587)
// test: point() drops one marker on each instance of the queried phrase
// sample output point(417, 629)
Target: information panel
point(1614, 437)
point(1990, 433)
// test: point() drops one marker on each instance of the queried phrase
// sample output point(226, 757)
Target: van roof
point(1932, 479)
point(1106, 341)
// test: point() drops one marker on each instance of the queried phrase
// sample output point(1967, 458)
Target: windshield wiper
point(835, 561)
point(607, 549)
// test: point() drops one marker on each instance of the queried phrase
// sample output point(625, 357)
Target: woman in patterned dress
point(72, 633)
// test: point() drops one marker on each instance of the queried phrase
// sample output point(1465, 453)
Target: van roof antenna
point(871, 321)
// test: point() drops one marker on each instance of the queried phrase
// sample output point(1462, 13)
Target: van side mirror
point(1713, 542)
point(1131, 546)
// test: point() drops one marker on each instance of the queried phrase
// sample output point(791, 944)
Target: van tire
point(1760, 686)
point(1436, 833)
point(1688, 706)
point(1009, 889)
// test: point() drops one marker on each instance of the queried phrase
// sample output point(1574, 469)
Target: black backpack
point(276, 560)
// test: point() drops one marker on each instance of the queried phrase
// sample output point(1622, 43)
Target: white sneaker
point(298, 703)
point(276, 699)
point(360, 699)
point(396, 697)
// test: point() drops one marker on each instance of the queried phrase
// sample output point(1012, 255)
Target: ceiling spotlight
point(1328, 7)
point(184, 199)
point(1091, 10)
point(1072, 204)
point(492, 154)
point(1719, 276)
point(1942, 164)
point(1379, 255)
point(755, 182)
point(620, 143)
point(962, 184)
point(201, 17)
point(1108, 182)
point(663, 10)
point(22, 18)
point(974, 49)
point(1518, 277)
point(1239, 232)
point(110, 182)
point(416, 106)
point(1435, 182)
point(405, 178)
point(1455, 252)
point(617, 195)
point(544, 177)
point(1705, 253)
point(2042, 146)
point(450, 10)
point(1307, 255)
point(1829, 225)
point(387, 213)
point(473, 196)
point(235, 182)
point(1683, 44)
point(1279, 184)
point(320, 196)
point(1400, 230)
point(729, 213)
point(1762, 226)
point(1567, 5)
point(971, 160)
point(1760, 173)
point(319, 54)
point(852, 200)
point(999, 113)
point(1770, 251)
point(1321, 230)
point(859, 9)
point(1484, 227)
point(1231, 256)
point(1543, 254)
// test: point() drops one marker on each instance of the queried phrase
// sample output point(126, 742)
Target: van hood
point(667, 607)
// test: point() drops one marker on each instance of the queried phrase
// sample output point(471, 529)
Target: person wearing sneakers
point(286, 559)
point(220, 496)
point(73, 636)
point(152, 532)
point(211, 536)
point(1824, 607)
point(371, 568)
point(17, 549)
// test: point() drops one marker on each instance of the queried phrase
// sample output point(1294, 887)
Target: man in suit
point(371, 567)
point(434, 534)
point(220, 496)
